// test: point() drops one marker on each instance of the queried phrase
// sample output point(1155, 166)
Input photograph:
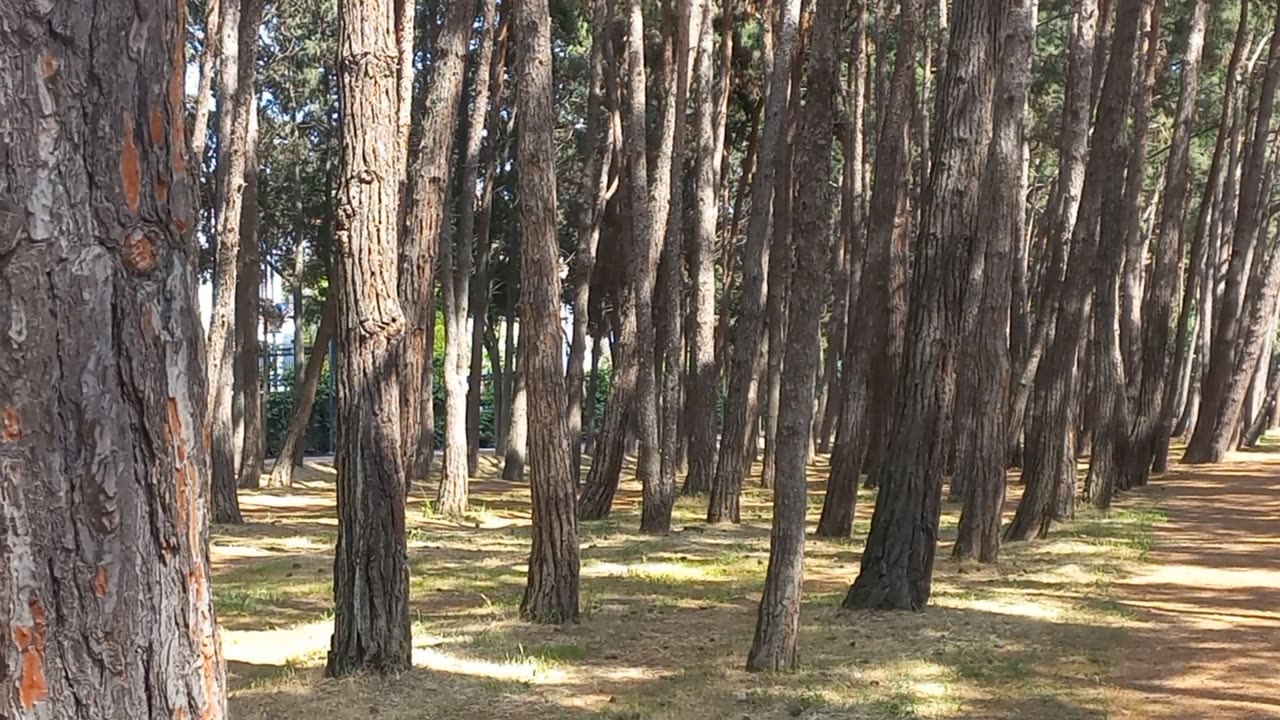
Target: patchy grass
point(667, 620)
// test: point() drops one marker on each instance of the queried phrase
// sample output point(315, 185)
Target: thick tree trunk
point(370, 569)
point(106, 601)
point(746, 363)
point(304, 398)
point(778, 619)
point(1048, 462)
point(867, 337)
point(551, 593)
point(897, 565)
point(239, 30)
point(597, 150)
point(1156, 387)
point(1231, 362)
point(248, 320)
point(700, 395)
point(999, 228)
point(424, 211)
point(455, 285)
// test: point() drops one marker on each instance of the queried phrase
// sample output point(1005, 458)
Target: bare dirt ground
point(1207, 640)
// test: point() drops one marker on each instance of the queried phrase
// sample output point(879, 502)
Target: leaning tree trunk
point(106, 600)
point(746, 362)
point(1049, 458)
point(897, 565)
point(1154, 378)
point(424, 214)
point(551, 594)
point(778, 619)
point(240, 23)
point(248, 315)
point(304, 398)
point(370, 568)
point(999, 228)
point(455, 287)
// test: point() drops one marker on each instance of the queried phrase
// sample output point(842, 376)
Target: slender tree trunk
point(1156, 386)
point(239, 30)
point(551, 593)
point(104, 471)
point(518, 420)
point(897, 565)
point(1231, 362)
point(778, 619)
point(1261, 420)
point(1048, 462)
point(999, 229)
point(304, 398)
point(746, 362)
point(428, 186)
point(213, 49)
point(248, 318)
point(593, 388)
point(371, 572)
point(455, 285)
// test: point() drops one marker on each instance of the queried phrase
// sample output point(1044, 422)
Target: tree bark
point(371, 571)
point(551, 593)
point(304, 398)
point(746, 363)
point(428, 186)
point(513, 460)
point(204, 91)
point(897, 565)
point(778, 619)
point(248, 318)
point(999, 228)
point(104, 471)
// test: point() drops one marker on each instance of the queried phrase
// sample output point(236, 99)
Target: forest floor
point(1090, 623)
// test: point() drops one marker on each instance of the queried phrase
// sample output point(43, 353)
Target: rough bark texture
point(778, 619)
point(239, 30)
point(746, 363)
point(104, 472)
point(551, 594)
point(248, 320)
point(370, 567)
point(897, 565)
point(204, 90)
point(1231, 362)
point(867, 337)
point(999, 229)
point(455, 285)
point(1157, 329)
point(304, 398)
point(424, 213)
point(700, 396)
point(1049, 458)
point(513, 459)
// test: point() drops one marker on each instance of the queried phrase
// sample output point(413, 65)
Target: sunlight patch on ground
point(281, 646)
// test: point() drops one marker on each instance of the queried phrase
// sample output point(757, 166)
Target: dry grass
point(667, 620)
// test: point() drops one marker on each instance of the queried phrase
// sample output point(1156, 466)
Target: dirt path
point(1209, 642)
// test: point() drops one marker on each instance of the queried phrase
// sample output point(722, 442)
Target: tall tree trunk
point(897, 565)
point(304, 398)
point(513, 460)
point(551, 593)
point(593, 388)
point(455, 279)
point(239, 30)
point(371, 571)
point(213, 49)
point(248, 318)
point(1230, 362)
point(1260, 420)
point(999, 229)
point(867, 337)
point(700, 396)
point(1048, 461)
point(746, 363)
point(107, 605)
point(428, 186)
point(1156, 387)
point(778, 619)
point(597, 149)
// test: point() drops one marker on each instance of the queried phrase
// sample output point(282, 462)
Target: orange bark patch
point(100, 582)
point(181, 479)
point(162, 191)
point(48, 64)
point(157, 126)
point(177, 84)
point(12, 425)
point(32, 687)
point(137, 253)
point(130, 167)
